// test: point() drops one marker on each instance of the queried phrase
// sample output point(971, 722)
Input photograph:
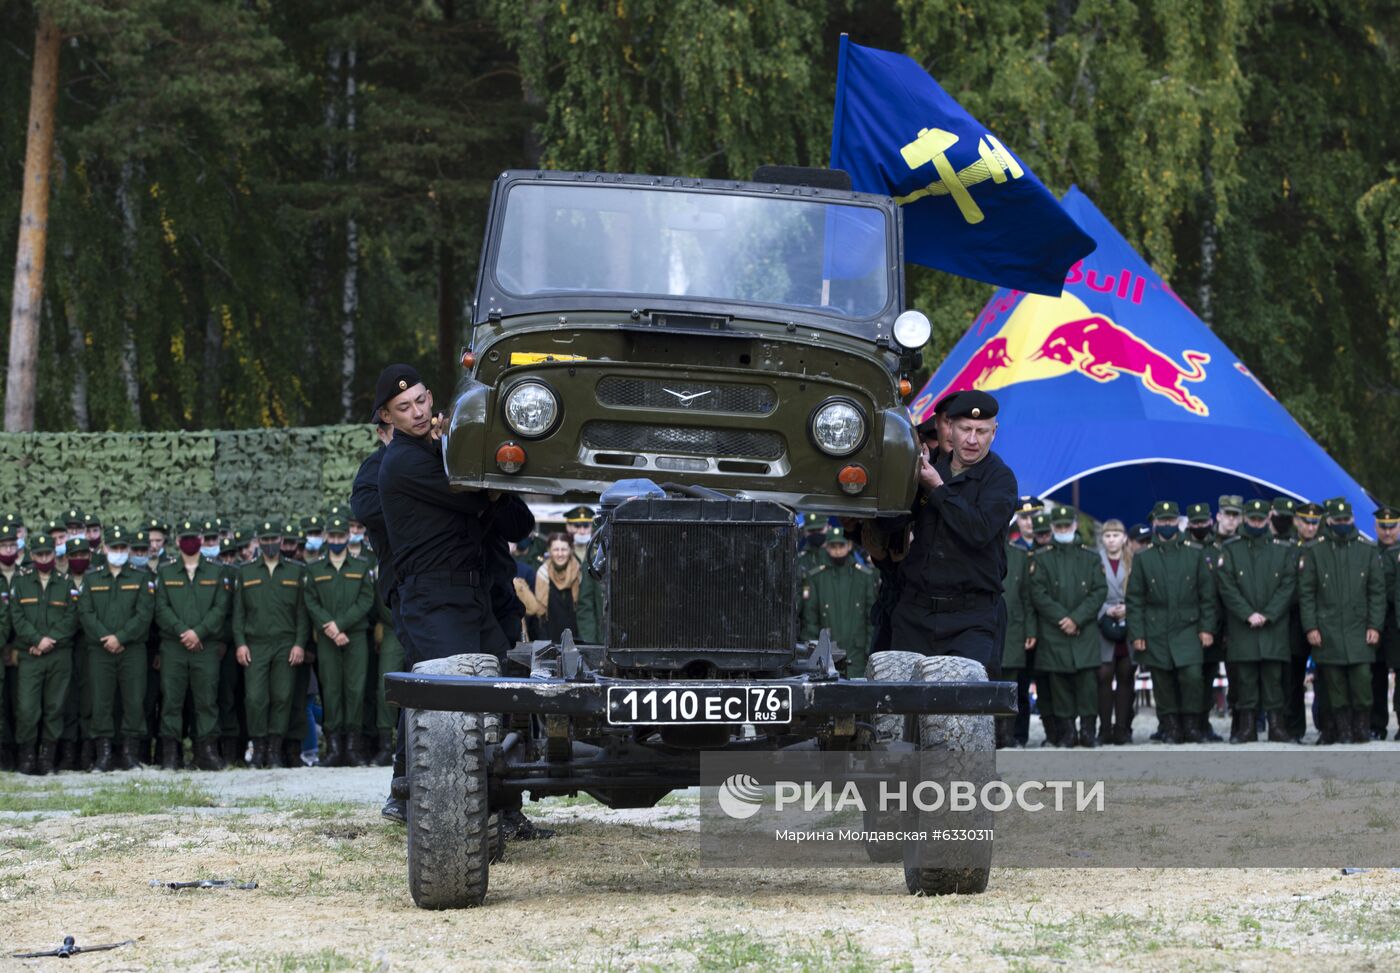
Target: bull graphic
point(1096, 347)
point(991, 358)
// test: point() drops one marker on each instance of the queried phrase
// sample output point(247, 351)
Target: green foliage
point(126, 477)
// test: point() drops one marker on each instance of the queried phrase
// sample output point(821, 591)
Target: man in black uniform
point(951, 603)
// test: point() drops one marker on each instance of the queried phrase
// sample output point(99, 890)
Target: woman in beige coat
point(556, 588)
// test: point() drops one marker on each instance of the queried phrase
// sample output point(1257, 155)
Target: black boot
point(259, 753)
point(1088, 732)
point(7, 757)
point(131, 754)
point(102, 759)
point(1249, 726)
point(358, 748)
point(231, 751)
point(274, 753)
point(1208, 733)
point(291, 753)
point(1326, 729)
point(1190, 724)
point(1122, 735)
point(1066, 727)
point(1168, 729)
point(86, 755)
point(169, 754)
point(206, 757)
point(335, 750)
point(66, 756)
point(1341, 725)
point(48, 752)
point(1277, 734)
point(24, 758)
point(384, 756)
point(1361, 726)
point(1052, 731)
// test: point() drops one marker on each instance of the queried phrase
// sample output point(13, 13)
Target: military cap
point(337, 525)
point(1165, 508)
point(13, 521)
point(313, 523)
point(942, 406)
point(1285, 506)
point(1256, 508)
point(1309, 511)
point(54, 526)
point(1027, 505)
point(8, 532)
point(155, 523)
point(973, 404)
point(1040, 523)
point(227, 545)
point(41, 543)
point(1387, 516)
point(117, 537)
point(1338, 507)
point(209, 528)
point(1197, 513)
point(580, 515)
point(78, 545)
point(1139, 532)
point(93, 521)
point(75, 516)
point(269, 528)
point(140, 539)
point(837, 535)
point(1063, 515)
point(393, 380)
point(1230, 503)
point(292, 530)
point(240, 537)
point(189, 528)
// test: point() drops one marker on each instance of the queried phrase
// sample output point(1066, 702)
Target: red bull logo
point(1046, 337)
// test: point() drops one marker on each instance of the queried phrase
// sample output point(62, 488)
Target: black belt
point(955, 603)
point(456, 579)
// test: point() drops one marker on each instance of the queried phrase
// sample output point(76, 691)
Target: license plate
point(671, 705)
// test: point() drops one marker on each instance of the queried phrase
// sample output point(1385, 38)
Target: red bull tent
point(1115, 394)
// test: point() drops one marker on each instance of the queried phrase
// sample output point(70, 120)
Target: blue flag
point(971, 207)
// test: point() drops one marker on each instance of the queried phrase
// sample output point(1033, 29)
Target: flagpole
point(836, 114)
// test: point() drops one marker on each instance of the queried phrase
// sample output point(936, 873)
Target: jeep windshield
point(699, 245)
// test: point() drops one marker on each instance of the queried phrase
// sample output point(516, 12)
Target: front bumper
point(561, 697)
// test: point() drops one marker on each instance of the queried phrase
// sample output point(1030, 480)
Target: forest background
point(256, 204)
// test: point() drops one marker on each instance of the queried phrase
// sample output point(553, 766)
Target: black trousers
point(975, 634)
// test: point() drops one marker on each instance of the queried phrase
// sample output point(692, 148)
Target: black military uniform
point(951, 597)
point(1200, 525)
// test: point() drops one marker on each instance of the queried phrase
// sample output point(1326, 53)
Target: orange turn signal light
point(468, 358)
point(905, 388)
point(852, 478)
point(510, 457)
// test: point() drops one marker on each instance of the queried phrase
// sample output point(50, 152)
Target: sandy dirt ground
point(614, 891)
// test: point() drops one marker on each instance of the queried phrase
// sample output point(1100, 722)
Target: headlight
point(838, 427)
point(531, 409)
point(912, 330)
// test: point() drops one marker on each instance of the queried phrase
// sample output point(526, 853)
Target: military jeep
point(708, 356)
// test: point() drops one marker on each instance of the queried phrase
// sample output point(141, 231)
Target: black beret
point(973, 404)
point(946, 403)
point(392, 381)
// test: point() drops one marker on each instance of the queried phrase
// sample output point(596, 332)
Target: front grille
point(639, 438)
point(650, 393)
point(703, 576)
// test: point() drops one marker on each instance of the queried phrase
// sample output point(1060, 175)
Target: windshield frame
point(493, 301)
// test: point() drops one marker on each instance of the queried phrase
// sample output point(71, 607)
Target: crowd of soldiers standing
point(119, 647)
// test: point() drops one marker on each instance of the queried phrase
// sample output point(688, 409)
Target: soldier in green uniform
point(232, 735)
point(1257, 581)
point(590, 609)
point(75, 747)
point(1388, 655)
point(811, 553)
point(115, 609)
point(339, 598)
point(1200, 526)
point(579, 523)
point(270, 626)
point(1020, 641)
point(838, 596)
point(1295, 526)
point(1342, 603)
point(145, 561)
point(9, 651)
point(1171, 620)
point(191, 605)
point(44, 614)
point(1067, 589)
point(313, 530)
point(389, 659)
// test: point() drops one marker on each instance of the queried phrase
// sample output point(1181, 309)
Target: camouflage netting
point(242, 475)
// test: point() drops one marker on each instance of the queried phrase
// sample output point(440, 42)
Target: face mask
point(1282, 524)
point(59, 550)
point(1065, 536)
point(357, 538)
point(78, 565)
point(140, 560)
point(1165, 531)
point(8, 559)
point(20, 543)
point(314, 543)
point(583, 537)
point(190, 545)
point(1255, 530)
point(43, 567)
point(209, 550)
point(839, 561)
point(271, 554)
point(336, 548)
point(1200, 533)
point(1342, 531)
point(117, 559)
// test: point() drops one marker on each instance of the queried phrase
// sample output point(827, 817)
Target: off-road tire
point(889, 727)
point(943, 732)
point(450, 844)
